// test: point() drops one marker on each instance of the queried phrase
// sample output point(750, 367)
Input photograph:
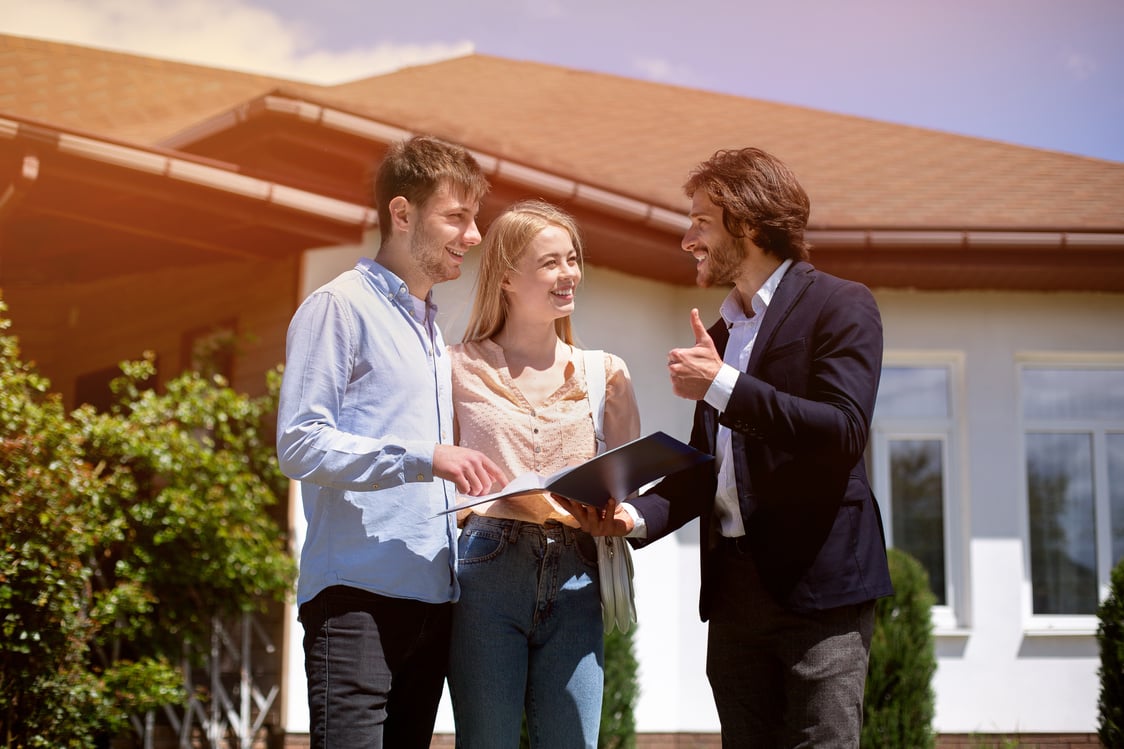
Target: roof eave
point(182, 170)
point(996, 257)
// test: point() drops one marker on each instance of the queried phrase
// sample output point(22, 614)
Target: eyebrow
point(462, 207)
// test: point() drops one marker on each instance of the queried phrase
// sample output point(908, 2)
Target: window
point(1073, 421)
point(94, 388)
point(911, 457)
point(211, 350)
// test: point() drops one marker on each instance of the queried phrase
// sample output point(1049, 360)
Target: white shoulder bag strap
point(614, 557)
point(595, 391)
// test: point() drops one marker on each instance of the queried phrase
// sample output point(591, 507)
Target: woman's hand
point(612, 520)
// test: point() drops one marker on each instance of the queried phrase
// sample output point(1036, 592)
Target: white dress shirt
point(743, 333)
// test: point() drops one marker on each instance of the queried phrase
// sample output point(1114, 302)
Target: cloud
point(544, 9)
point(663, 71)
point(232, 34)
point(1080, 67)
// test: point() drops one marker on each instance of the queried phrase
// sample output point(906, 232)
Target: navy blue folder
point(614, 473)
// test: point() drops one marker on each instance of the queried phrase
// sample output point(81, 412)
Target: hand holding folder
point(615, 473)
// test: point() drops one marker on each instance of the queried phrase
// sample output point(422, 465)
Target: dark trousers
point(376, 668)
point(780, 678)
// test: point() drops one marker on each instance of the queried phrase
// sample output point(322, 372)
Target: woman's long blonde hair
point(504, 243)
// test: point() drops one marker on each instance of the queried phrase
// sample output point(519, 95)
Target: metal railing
point(228, 707)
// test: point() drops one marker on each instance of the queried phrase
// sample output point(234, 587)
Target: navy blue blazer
point(799, 418)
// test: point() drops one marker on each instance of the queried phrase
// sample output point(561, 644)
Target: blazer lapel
point(792, 286)
point(720, 334)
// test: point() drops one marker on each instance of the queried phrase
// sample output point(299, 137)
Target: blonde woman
point(527, 632)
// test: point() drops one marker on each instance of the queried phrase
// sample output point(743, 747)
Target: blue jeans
point(527, 634)
point(376, 667)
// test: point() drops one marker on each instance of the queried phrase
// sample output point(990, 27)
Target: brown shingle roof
point(641, 139)
point(631, 137)
point(128, 97)
point(892, 205)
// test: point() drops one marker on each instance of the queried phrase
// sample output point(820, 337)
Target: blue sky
point(1041, 73)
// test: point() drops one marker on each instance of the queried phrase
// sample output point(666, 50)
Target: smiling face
point(720, 256)
point(545, 277)
point(445, 230)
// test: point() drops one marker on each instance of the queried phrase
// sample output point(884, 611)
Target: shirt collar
point(394, 288)
point(731, 309)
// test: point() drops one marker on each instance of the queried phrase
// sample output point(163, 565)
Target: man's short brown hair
point(416, 167)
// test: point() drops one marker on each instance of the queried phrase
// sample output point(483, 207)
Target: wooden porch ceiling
point(78, 208)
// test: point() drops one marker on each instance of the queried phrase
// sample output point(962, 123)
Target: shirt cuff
point(639, 527)
point(722, 387)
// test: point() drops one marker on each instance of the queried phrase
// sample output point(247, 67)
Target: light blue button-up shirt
point(365, 397)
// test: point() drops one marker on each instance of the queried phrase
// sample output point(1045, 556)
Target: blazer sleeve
point(813, 388)
point(683, 496)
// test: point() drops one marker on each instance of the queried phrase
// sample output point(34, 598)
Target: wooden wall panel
point(72, 329)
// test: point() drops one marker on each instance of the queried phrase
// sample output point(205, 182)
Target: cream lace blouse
point(492, 416)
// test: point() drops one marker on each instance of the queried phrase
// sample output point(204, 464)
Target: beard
point(723, 263)
point(429, 253)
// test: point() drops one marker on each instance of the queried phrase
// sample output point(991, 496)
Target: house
point(146, 204)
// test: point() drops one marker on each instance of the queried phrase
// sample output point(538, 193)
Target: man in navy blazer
point(791, 539)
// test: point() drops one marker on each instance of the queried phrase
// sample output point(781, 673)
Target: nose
point(690, 239)
point(472, 234)
point(572, 270)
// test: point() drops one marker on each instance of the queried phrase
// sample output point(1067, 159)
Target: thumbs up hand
point(693, 369)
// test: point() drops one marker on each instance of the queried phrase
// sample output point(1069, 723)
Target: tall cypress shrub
point(1110, 638)
point(618, 721)
point(899, 702)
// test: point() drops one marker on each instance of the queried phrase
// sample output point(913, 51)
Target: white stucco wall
point(1002, 670)
point(998, 671)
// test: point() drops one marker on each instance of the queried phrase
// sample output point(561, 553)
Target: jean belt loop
point(513, 531)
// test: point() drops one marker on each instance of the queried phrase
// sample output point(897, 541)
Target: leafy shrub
point(1110, 638)
point(618, 722)
point(899, 701)
point(121, 535)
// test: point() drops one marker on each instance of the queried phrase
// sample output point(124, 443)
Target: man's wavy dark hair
point(760, 199)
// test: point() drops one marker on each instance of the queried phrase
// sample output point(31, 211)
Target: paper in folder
point(614, 473)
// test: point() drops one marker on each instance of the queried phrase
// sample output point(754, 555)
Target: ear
point(400, 214)
point(505, 282)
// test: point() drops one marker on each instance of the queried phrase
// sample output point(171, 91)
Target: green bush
point(1110, 638)
point(121, 535)
point(899, 702)
point(618, 722)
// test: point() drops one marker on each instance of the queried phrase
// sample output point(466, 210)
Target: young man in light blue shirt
point(365, 424)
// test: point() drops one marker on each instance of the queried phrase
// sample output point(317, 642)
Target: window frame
point(1098, 430)
point(953, 616)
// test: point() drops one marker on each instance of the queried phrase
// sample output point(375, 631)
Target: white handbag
point(614, 567)
point(614, 556)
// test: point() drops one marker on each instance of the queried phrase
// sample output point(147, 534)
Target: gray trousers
point(783, 679)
